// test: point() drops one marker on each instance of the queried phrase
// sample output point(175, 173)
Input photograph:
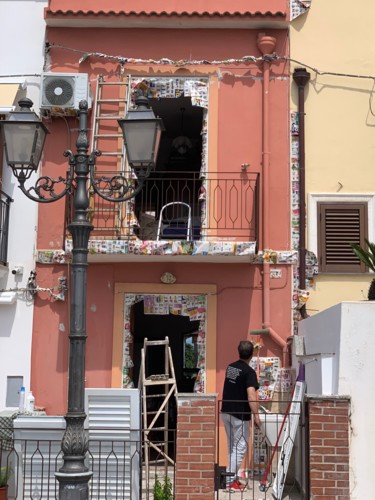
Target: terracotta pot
point(3, 493)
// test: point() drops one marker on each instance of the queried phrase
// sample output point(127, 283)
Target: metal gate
point(273, 464)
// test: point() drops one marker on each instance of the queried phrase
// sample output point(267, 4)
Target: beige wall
point(337, 36)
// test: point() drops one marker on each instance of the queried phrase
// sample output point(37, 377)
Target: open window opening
point(170, 205)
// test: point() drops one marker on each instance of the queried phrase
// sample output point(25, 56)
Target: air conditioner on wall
point(62, 92)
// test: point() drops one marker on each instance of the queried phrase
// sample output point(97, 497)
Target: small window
point(340, 224)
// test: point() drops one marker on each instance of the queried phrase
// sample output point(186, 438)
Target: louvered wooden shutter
point(339, 225)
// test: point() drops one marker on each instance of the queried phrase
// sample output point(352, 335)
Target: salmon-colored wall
point(239, 140)
point(238, 304)
point(239, 101)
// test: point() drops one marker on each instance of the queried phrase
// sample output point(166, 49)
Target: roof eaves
point(101, 13)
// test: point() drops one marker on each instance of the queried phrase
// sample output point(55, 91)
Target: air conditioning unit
point(62, 92)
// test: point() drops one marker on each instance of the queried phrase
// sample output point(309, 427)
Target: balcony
point(5, 202)
point(177, 213)
point(219, 206)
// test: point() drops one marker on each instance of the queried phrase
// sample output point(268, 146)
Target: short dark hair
point(245, 349)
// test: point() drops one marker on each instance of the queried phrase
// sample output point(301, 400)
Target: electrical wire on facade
point(31, 288)
point(186, 62)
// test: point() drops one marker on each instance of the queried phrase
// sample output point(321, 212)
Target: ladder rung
point(110, 153)
point(154, 395)
point(160, 382)
point(108, 210)
point(156, 462)
point(155, 412)
point(156, 342)
point(107, 136)
point(107, 190)
point(155, 429)
point(99, 101)
point(158, 376)
point(107, 230)
point(113, 83)
point(109, 117)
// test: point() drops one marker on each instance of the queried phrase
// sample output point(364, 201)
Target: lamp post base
point(74, 486)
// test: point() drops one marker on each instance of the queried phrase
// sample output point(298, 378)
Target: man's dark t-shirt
point(238, 377)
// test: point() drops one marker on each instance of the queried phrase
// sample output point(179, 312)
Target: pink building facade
point(224, 153)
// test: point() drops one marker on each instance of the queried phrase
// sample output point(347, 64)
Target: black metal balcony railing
point(5, 202)
point(222, 205)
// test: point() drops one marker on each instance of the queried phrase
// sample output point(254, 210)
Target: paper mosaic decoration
point(151, 247)
point(284, 381)
point(172, 88)
point(260, 453)
point(267, 370)
point(299, 296)
point(299, 7)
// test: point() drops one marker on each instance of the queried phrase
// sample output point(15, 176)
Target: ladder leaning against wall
point(155, 407)
point(111, 103)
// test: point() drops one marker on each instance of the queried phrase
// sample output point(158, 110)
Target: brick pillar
point(329, 430)
point(195, 446)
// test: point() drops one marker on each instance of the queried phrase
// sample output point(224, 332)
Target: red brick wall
point(329, 428)
point(195, 447)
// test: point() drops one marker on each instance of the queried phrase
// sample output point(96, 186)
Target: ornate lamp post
point(24, 136)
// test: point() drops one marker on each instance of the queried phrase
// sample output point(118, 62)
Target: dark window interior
point(176, 177)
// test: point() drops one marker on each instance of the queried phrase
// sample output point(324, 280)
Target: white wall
point(347, 331)
point(22, 54)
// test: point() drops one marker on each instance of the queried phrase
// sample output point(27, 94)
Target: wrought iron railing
point(223, 205)
point(118, 466)
point(5, 202)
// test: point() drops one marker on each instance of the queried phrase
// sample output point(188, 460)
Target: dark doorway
point(157, 327)
point(180, 332)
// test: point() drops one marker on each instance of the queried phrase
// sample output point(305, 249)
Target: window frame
point(314, 199)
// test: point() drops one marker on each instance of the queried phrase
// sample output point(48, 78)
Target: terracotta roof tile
point(163, 13)
point(170, 8)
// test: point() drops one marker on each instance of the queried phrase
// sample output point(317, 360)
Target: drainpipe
point(302, 77)
point(266, 45)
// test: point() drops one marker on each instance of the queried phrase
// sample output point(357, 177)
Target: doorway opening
point(181, 319)
point(179, 330)
point(170, 204)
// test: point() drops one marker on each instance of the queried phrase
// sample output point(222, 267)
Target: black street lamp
point(24, 136)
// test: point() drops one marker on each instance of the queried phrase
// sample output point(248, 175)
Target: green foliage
point(5, 473)
point(158, 489)
point(189, 356)
point(367, 256)
point(163, 491)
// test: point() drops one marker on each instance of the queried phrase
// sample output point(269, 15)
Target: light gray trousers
point(237, 432)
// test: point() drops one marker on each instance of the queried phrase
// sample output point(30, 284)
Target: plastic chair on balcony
point(175, 222)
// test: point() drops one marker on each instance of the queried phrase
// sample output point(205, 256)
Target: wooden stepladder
point(157, 391)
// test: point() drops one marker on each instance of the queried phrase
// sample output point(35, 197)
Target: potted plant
point(367, 256)
point(5, 473)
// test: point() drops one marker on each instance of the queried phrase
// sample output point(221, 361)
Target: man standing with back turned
point(239, 400)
